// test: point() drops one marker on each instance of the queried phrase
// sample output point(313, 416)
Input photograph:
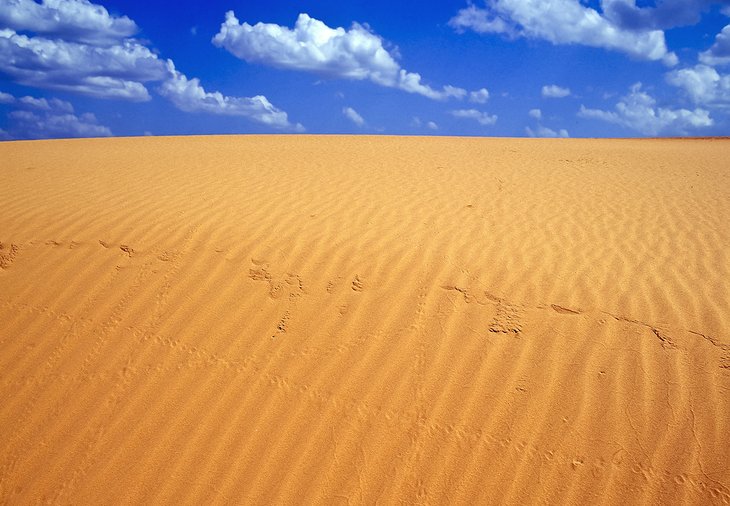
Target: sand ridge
point(332, 319)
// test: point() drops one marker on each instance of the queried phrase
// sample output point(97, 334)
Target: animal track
point(665, 340)
point(357, 284)
point(563, 310)
point(127, 249)
point(281, 326)
point(725, 361)
point(507, 319)
point(7, 254)
point(468, 297)
point(291, 284)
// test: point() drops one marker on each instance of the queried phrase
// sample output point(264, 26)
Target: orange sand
point(299, 319)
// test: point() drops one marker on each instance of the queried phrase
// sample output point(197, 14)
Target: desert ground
point(361, 320)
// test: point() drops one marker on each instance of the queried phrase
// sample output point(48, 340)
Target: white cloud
point(562, 22)
point(663, 15)
point(353, 116)
point(542, 131)
point(431, 125)
point(481, 117)
point(100, 71)
point(703, 84)
point(6, 98)
point(638, 111)
point(313, 46)
point(46, 105)
point(42, 104)
point(535, 113)
point(719, 53)
point(30, 125)
point(188, 95)
point(480, 96)
point(83, 49)
point(555, 91)
point(73, 20)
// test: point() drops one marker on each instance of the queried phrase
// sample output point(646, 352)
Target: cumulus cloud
point(480, 117)
point(535, 113)
point(480, 96)
point(719, 53)
point(312, 46)
point(703, 84)
point(562, 22)
point(638, 111)
point(188, 95)
point(115, 71)
point(542, 131)
point(6, 98)
point(74, 20)
point(353, 116)
point(77, 46)
point(555, 91)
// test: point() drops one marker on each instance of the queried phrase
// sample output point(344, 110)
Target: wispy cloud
point(353, 116)
point(638, 111)
point(480, 117)
point(41, 118)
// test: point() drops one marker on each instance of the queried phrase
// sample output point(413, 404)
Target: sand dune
point(302, 319)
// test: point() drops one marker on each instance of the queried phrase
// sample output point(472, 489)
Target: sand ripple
point(298, 319)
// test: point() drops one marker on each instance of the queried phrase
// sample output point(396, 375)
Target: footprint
point(507, 319)
point(281, 326)
point(357, 284)
point(127, 249)
point(725, 361)
point(259, 274)
point(7, 254)
point(290, 284)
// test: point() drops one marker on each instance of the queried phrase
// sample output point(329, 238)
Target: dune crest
point(345, 320)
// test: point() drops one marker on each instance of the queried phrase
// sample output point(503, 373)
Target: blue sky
point(577, 68)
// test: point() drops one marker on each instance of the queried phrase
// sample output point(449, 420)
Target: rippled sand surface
point(303, 319)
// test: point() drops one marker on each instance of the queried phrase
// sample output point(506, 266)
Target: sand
point(351, 320)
